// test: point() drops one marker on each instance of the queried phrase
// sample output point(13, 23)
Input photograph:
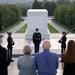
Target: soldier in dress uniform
point(10, 45)
point(4, 61)
point(63, 42)
point(36, 40)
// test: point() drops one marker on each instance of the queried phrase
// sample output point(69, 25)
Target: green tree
point(60, 2)
point(50, 6)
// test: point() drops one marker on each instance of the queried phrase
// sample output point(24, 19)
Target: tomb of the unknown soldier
point(37, 18)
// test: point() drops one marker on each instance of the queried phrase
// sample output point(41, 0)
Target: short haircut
point(27, 49)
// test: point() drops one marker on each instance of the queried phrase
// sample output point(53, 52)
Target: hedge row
point(65, 14)
point(9, 14)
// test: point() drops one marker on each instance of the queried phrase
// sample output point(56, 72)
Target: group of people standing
point(6, 54)
point(42, 63)
point(47, 62)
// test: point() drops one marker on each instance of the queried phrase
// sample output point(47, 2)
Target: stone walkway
point(20, 42)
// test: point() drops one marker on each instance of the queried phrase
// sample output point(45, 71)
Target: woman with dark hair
point(68, 59)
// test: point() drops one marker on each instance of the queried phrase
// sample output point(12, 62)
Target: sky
point(20, 1)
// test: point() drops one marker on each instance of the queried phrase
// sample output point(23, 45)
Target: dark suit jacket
point(3, 61)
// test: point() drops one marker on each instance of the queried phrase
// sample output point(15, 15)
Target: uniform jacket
point(36, 37)
point(3, 61)
point(9, 40)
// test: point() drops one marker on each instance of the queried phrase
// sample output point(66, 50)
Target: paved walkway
point(57, 27)
point(16, 28)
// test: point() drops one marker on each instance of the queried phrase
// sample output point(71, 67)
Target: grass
point(65, 27)
point(52, 29)
point(5, 30)
point(23, 29)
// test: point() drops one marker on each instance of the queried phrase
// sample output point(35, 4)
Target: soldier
point(36, 40)
point(63, 42)
point(10, 45)
point(4, 59)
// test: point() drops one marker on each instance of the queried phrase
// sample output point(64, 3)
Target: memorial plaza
point(20, 42)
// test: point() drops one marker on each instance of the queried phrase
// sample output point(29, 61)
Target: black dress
point(69, 69)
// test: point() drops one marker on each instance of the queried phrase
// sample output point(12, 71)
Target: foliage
point(65, 14)
point(50, 6)
point(61, 2)
point(9, 14)
point(6, 29)
point(52, 29)
point(24, 8)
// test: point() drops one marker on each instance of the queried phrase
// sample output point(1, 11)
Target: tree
point(60, 2)
point(50, 6)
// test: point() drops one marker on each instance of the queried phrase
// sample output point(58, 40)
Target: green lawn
point(64, 26)
point(23, 29)
point(5, 30)
point(51, 29)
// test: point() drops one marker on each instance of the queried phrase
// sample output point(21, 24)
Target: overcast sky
point(20, 1)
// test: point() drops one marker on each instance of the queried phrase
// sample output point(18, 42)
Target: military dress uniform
point(4, 61)
point(36, 41)
point(63, 44)
point(10, 45)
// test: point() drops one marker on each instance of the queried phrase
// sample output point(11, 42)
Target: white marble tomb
point(37, 18)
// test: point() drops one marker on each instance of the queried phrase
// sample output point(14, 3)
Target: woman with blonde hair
point(68, 59)
point(25, 63)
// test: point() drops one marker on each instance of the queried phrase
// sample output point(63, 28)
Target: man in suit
point(36, 40)
point(4, 61)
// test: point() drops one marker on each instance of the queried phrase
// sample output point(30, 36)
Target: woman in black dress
point(68, 59)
